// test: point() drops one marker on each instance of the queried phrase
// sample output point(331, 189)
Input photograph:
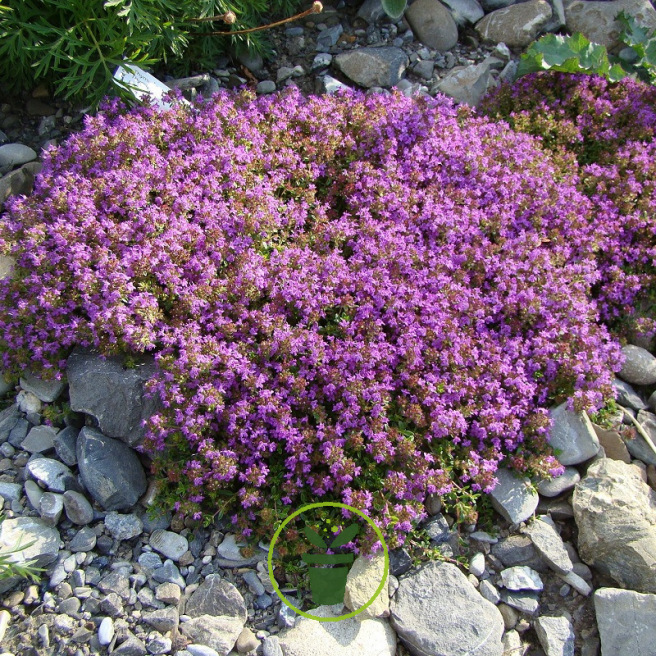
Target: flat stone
point(77, 507)
point(465, 11)
point(517, 25)
point(327, 38)
point(626, 622)
point(371, 637)
point(169, 573)
point(23, 530)
point(433, 24)
point(627, 396)
point(56, 476)
point(489, 592)
point(230, 550)
point(521, 578)
point(15, 154)
point(215, 596)
point(110, 470)
point(45, 390)
point(549, 544)
point(200, 650)
point(615, 513)
point(219, 633)
point(84, 540)
point(513, 497)
point(437, 611)
point(11, 491)
point(329, 85)
point(524, 601)
point(132, 646)
point(638, 447)
point(363, 579)
point(556, 635)
point(560, 484)
point(40, 439)
point(170, 544)
point(164, 619)
point(19, 432)
point(465, 84)
point(266, 87)
point(65, 445)
point(613, 445)
point(373, 67)
point(123, 527)
point(517, 550)
point(597, 21)
point(112, 394)
point(572, 436)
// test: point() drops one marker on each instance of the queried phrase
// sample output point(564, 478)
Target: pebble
point(266, 86)
point(477, 564)
point(170, 544)
point(123, 527)
point(5, 617)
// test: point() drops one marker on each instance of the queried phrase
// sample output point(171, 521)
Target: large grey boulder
point(432, 24)
point(596, 20)
point(639, 366)
point(15, 154)
point(516, 26)
point(110, 470)
point(438, 611)
point(465, 11)
point(216, 596)
point(373, 67)
point(615, 512)
point(572, 436)
point(513, 497)
point(626, 622)
point(370, 637)
point(627, 396)
point(111, 393)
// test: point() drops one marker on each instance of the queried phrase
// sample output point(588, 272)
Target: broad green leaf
point(345, 536)
point(314, 538)
point(394, 8)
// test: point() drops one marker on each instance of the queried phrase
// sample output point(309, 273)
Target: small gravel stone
point(10, 491)
point(123, 527)
point(489, 592)
point(246, 641)
point(521, 578)
point(169, 593)
point(84, 540)
point(201, 650)
point(477, 564)
point(169, 573)
point(170, 544)
point(286, 616)
point(51, 507)
point(266, 86)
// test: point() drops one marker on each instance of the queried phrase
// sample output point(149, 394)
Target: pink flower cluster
point(361, 299)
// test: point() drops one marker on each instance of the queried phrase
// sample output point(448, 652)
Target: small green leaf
point(315, 538)
point(394, 8)
point(345, 536)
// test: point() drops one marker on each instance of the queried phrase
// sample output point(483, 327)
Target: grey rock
point(266, 86)
point(84, 540)
point(371, 637)
point(18, 182)
point(597, 21)
point(372, 67)
point(328, 38)
point(77, 507)
point(164, 619)
point(615, 513)
point(263, 601)
point(329, 85)
point(115, 396)
point(424, 69)
point(45, 390)
point(271, 646)
point(465, 11)
point(491, 5)
point(482, 536)
point(252, 61)
point(371, 11)
point(115, 582)
point(23, 530)
point(363, 580)
point(626, 622)
point(132, 646)
point(15, 154)
point(40, 439)
point(187, 83)
point(322, 60)
point(465, 84)
point(512, 644)
point(229, 549)
point(170, 544)
point(613, 445)
point(8, 419)
point(253, 582)
point(51, 507)
point(477, 564)
point(432, 24)
point(149, 562)
point(56, 476)
point(638, 447)
point(216, 596)
point(200, 650)
point(110, 470)
point(169, 573)
point(162, 521)
point(521, 578)
point(627, 396)
point(11, 491)
point(123, 527)
point(467, 622)
point(158, 644)
point(549, 544)
point(489, 592)
point(517, 550)
point(19, 432)
point(572, 436)
point(286, 616)
point(639, 366)
point(523, 601)
point(65, 445)
point(513, 498)
point(28, 403)
point(112, 605)
point(556, 635)
point(219, 633)
point(517, 25)
point(437, 529)
point(564, 483)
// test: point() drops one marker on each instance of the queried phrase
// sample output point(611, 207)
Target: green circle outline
point(332, 504)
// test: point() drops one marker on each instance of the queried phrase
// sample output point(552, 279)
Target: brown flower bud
point(229, 17)
point(317, 7)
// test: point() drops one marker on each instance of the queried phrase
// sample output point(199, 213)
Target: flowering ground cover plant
point(350, 298)
point(609, 129)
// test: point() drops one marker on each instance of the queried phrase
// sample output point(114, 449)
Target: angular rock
point(372, 637)
point(40, 439)
point(328, 38)
point(512, 644)
point(362, 581)
point(521, 578)
point(556, 635)
point(513, 497)
point(572, 436)
point(465, 11)
point(15, 154)
point(627, 396)
point(517, 550)
point(65, 445)
point(164, 619)
point(216, 596)
point(169, 544)
point(131, 646)
point(56, 476)
point(489, 592)
point(523, 600)
point(626, 622)
point(28, 402)
point(596, 20)
point(77, 507)
point(432, 24)
point(517, 26)
point(549, 544)
point(372, 67)
point(613, 445)
point(169, 573)
point(615, 513)
point(123, 527)
point(11, 491)
point(438, 611)
point(51, 507)
point(554, 486)
point(84, 540)
point(465, 84)
point(437, 529)
point(112, 394)
point(219, 633)
point(638, 447)
point(110, 470)
point(18, 182)
point(371, 11)
point(23, 530)
point(45, 390)
point(18, 432)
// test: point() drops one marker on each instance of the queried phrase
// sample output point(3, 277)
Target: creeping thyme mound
point(356, 299)
point(608, 129)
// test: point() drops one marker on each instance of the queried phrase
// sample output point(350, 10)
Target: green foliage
point(576, 54)
point(9, 568)
point(76, 45)
point(394, 8)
